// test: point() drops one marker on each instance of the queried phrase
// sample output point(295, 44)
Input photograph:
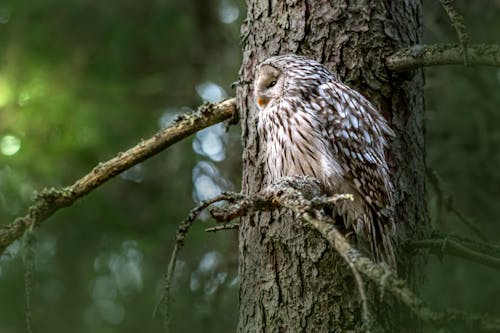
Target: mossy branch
point(48, 201)
point(302, 195)
point(418, 56)
point(457, 22)
point(387, 281)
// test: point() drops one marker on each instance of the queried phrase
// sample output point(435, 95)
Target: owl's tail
point(375, 230)
point(380, 233)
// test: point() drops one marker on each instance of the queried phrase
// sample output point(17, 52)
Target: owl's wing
point(358, 134)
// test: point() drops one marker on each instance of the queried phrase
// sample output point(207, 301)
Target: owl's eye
point(272, 83)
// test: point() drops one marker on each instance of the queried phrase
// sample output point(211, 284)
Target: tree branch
point(418, 56)
point(302, 195)
point(446, 201)
point(180, 238)
point(232, 226)
point(386, 280)
point(380, 274)
point(48, 201)
point(457, 22)
point(454, 247)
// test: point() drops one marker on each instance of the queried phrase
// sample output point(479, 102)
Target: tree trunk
point(291, 280)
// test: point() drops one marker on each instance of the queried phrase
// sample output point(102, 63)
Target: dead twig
point(232, 226)
point(455, 248)
point(29, 268)
point(445, 201)
point(457, 22)
point(182, 231)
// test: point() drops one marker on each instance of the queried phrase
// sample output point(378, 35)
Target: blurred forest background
point(81, 80)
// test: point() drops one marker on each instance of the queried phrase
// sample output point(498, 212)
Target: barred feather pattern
point(311, 124)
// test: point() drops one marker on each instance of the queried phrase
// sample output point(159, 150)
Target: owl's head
point(287, 75)
point(268, 84)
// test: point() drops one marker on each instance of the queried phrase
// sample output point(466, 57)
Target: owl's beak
point(262, 101)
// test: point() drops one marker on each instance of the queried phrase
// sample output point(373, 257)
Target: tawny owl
point(311, 124)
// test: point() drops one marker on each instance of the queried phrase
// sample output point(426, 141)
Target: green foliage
point(80, 81)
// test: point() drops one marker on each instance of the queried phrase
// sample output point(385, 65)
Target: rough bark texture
point(291, 280)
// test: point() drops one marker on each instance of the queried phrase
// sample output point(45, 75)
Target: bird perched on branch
point(311, 124)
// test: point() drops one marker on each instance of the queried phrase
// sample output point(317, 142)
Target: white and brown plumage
point(312, 124)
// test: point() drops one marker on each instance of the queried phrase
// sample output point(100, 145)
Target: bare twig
point(49, 201)
point(418, 56)
point(451, 206)
point(455, 248)
point(179, 243)
point(445, 201)
point(29, 268)
point(438, 187)
point(482, 247)
point(457, 22)
point(232, 226)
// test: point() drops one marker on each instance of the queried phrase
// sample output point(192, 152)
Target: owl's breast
point(293, 145)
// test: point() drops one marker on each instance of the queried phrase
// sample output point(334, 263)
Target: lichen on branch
point(303, 196)
point(418, 56)
point(48, 201)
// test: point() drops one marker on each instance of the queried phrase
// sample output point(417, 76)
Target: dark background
point(81, 80)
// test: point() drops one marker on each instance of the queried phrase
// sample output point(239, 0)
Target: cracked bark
point(291, 279)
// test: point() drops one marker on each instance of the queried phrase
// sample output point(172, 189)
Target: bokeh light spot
point(210, 142)
point(228, 13)
point(10, 145)
point(211, 92)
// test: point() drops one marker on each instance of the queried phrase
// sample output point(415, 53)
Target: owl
point(311, 124)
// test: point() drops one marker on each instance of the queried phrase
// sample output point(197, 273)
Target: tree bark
point(290, 279)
